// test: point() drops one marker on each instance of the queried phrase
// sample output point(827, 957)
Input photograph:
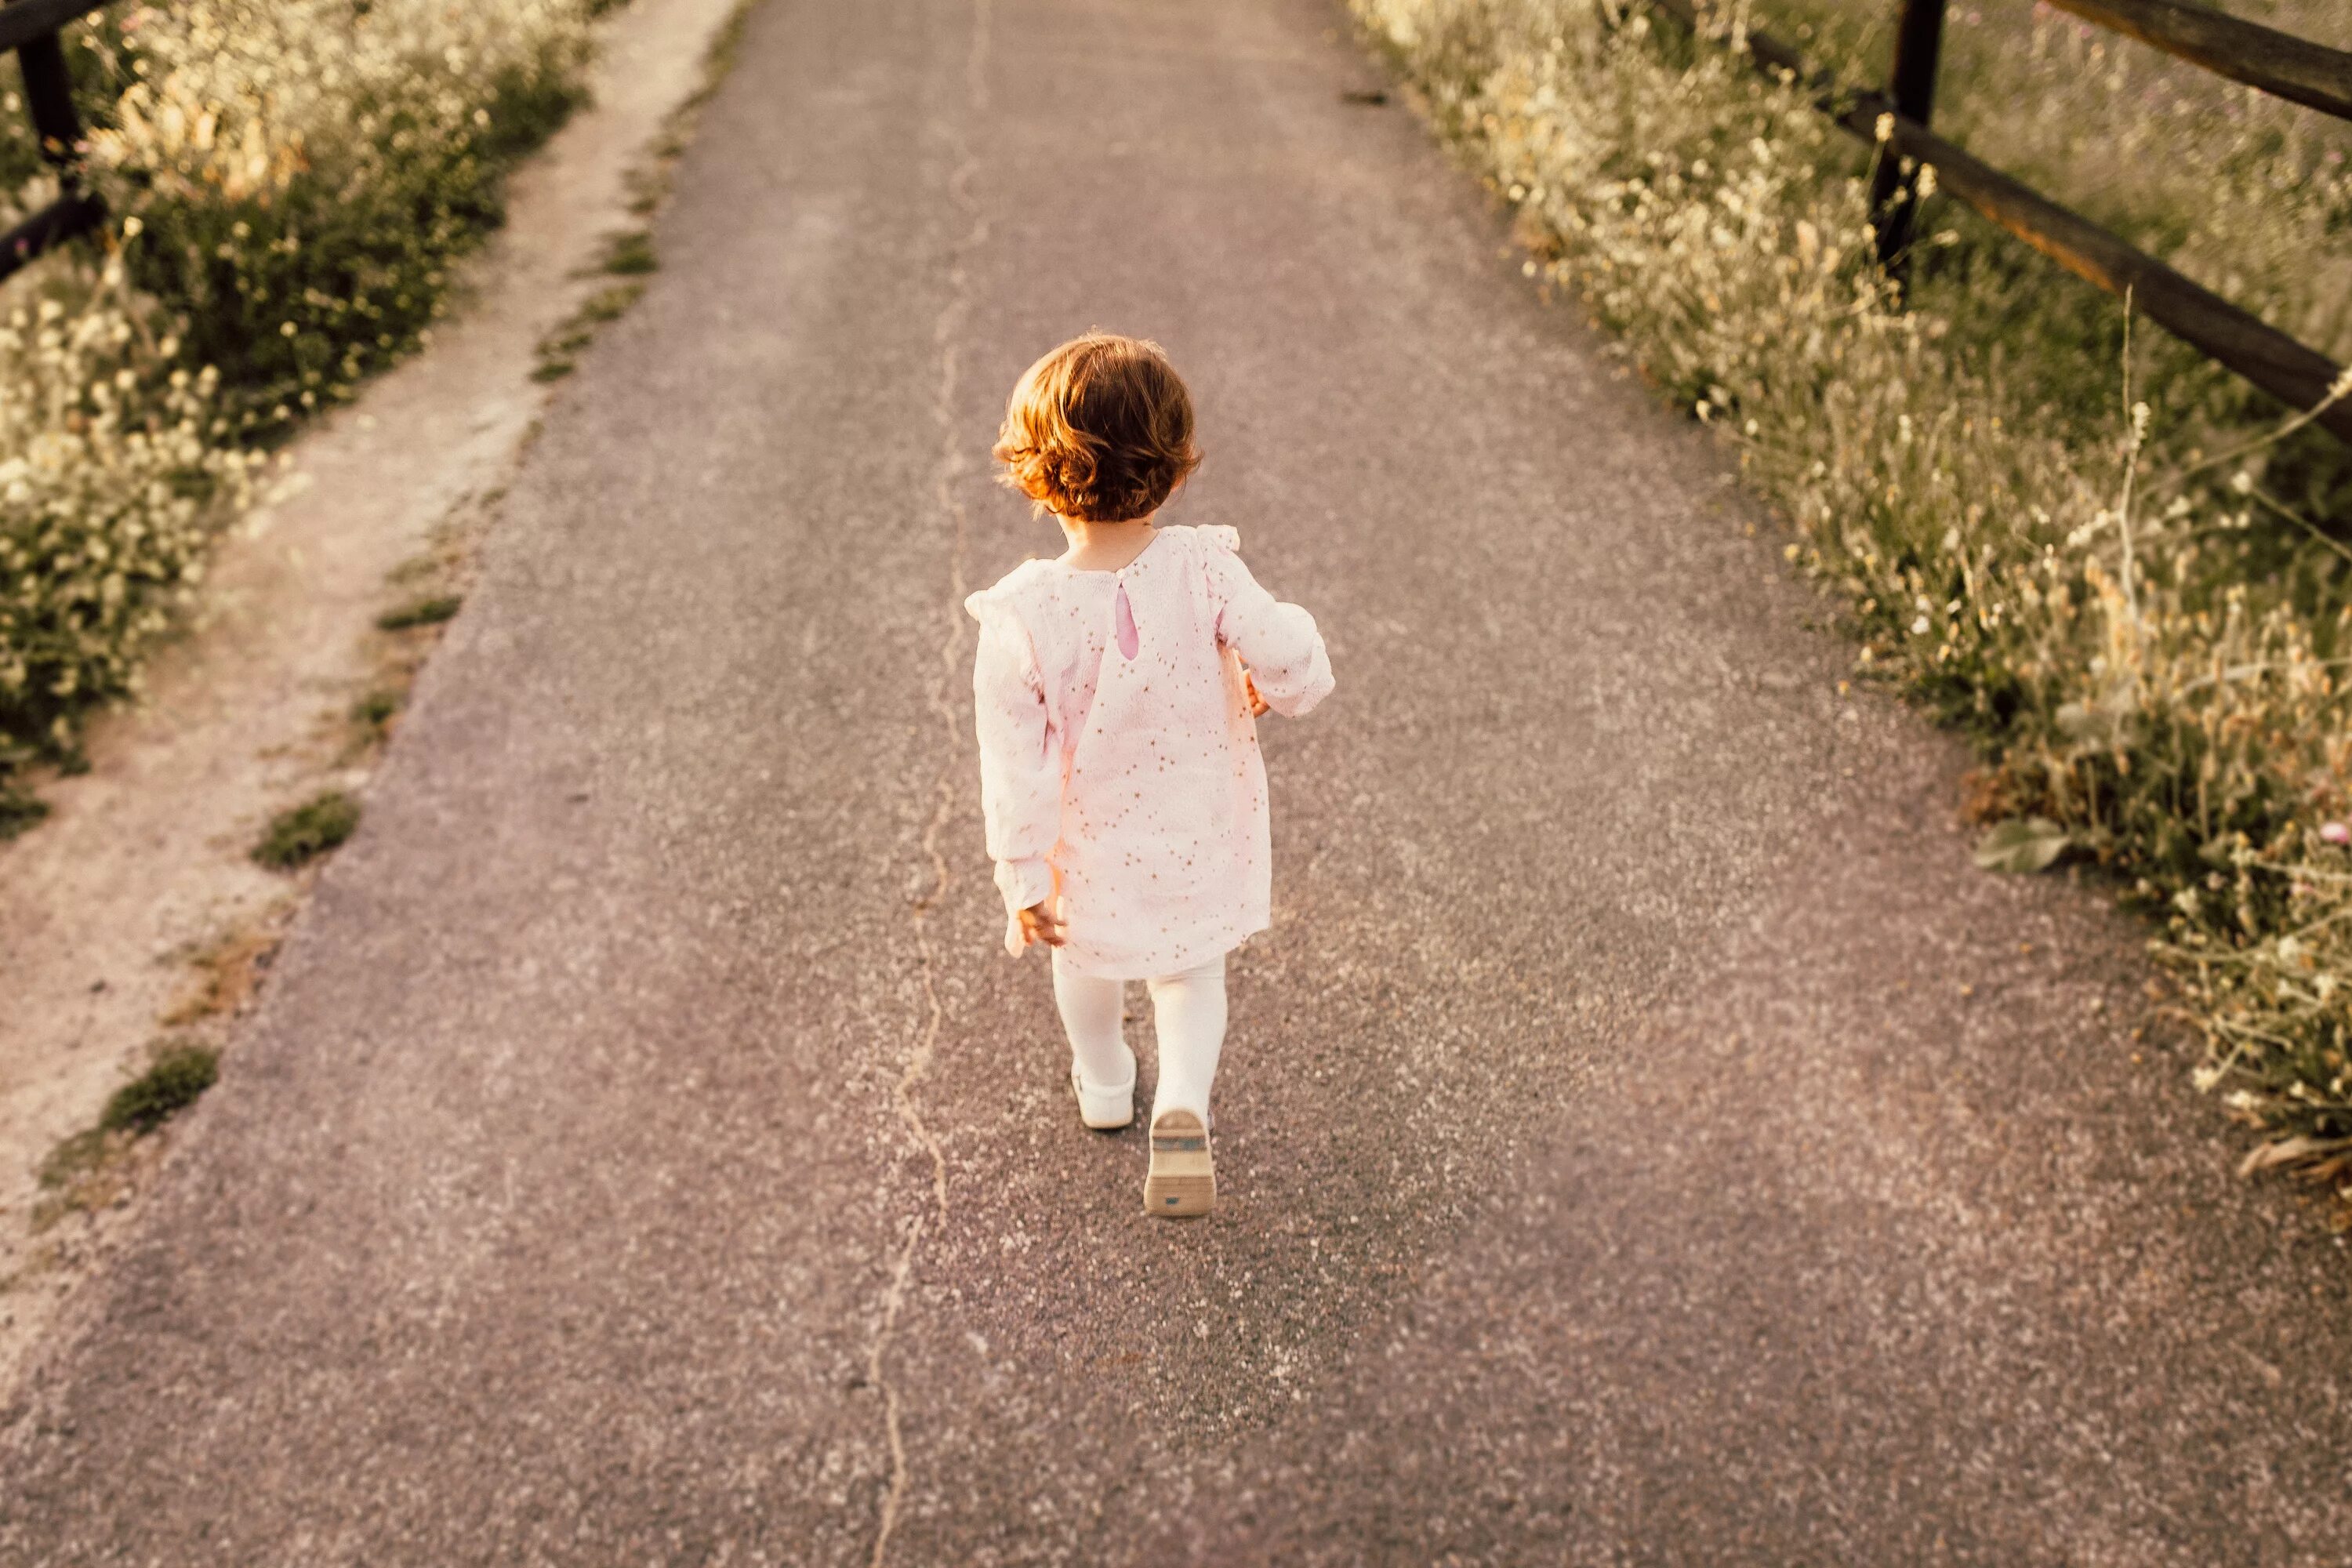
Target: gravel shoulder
point(136, 902)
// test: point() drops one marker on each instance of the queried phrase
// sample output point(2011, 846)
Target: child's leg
point(1090, 1009)
point(1190, 1010)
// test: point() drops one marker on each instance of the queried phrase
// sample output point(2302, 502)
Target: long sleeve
point(1284, 653)
point(1020, 778)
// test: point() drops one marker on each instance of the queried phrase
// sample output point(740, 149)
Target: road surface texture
point(1644, 1138)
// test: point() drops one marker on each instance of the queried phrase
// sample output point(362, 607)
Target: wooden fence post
point(48, 94)
point(1894, 193)
point(48, 98)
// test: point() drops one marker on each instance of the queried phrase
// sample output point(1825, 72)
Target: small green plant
point(75, 1159)
point(556, 352)
point(18, 810)
point(306, 831)
point(83, 1173)
point(91, 1168)
point(631, 254)
point(171, 1083)
point(430, 611)
point(374, 711)
point(647, 187)
point(610, 304)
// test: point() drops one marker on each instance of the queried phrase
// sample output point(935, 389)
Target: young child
point(1118, 687)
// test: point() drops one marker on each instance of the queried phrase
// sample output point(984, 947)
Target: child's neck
point(1103, 546)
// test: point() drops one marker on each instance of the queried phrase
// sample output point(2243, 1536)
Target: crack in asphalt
point(953, 466)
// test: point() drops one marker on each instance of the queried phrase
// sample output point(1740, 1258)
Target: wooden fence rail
point(2278, 63)
point(2291, 371)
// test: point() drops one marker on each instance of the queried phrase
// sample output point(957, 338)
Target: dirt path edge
point(136, 913)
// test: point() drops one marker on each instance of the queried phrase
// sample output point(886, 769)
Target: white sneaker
point(1103, 1109)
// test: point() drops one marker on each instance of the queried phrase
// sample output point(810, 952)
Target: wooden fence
point(2262, 57)
point(30, 27)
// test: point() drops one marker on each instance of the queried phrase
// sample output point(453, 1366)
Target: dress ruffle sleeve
point(1020, 773)
point(1278, 642)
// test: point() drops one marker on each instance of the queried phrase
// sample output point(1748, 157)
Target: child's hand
point(1038, 925)
point(1258, 704)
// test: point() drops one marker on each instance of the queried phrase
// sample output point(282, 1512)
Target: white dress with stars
point(1119, 761)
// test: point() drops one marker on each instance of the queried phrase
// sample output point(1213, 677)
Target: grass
point(429, 611)
point(87, 1170)
point(395, 132)
point(170, 1085)
point(302, 234)
point(304, 833)
point(228, 970)
point(374, 712)
point(76, 1159)
point(19, 809)
point(2123, 572)
point(631, 254)
point(2248, 195)
point(557, 352)
point(608, 304)
point(628, 254)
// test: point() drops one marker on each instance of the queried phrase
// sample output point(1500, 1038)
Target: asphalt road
point(1644, 1137)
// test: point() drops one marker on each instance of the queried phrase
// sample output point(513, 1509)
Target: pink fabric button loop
point(1123, 623)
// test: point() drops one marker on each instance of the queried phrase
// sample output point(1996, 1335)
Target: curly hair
point(1100, 430)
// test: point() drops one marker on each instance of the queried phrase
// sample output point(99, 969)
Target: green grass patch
point(170, 1085)
point(375, 710)
point(631, 254)
point(76, 1159)
point(430, 611)
point(557, 352)
point(19, 809)
point(305, 832)
point(609, 304)
point(92, 1168)
point(647, 186)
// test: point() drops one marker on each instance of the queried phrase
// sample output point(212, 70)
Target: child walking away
point(1118, 689)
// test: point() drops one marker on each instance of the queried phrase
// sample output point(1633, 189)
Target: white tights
point(1189, 1010)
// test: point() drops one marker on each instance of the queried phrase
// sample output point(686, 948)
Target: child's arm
point(1289, 669)
point(1020, 778)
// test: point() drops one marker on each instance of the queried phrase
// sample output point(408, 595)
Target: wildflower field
point(287, 184)
point(2125, 573)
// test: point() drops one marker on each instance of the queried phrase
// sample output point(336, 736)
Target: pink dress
point(1119, 761)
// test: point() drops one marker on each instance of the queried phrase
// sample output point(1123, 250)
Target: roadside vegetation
point(2125, 574)
point(88, 1170)
point(290, 183)
point(301, 833)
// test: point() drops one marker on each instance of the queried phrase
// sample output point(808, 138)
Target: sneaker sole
point(1182, 1181)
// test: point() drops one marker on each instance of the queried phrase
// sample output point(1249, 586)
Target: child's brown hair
point(1099, 430)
